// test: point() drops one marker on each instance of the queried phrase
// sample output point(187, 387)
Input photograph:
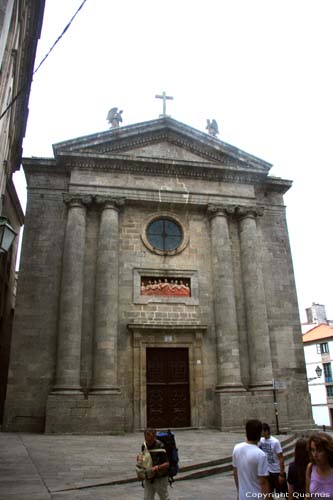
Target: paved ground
point(44, 467)
point(213, 488)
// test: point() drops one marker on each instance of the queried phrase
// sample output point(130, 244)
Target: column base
point(104, 390)
point(234, 409)
point(65, 389)
point(230, 410)
point(261, 386)
point(85, 414)
point(230, 388)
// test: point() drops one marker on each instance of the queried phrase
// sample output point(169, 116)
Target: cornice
point(154, 167)
point(41, 166)
point(38, 165)
point(277, 184)
point(169, 327)
point(163, 167)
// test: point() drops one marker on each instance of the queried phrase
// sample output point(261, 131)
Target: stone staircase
point(224, 465)
point(195, 471)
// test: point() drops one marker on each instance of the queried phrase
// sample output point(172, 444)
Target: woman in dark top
point(297, 469)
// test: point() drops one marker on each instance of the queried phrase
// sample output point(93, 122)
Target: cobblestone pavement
point(65, 467)
point(217, 487)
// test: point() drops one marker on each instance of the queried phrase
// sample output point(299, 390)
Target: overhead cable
point(26, 84)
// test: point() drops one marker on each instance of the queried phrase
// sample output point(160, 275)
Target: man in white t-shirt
point(272, 448)
point(250, 464)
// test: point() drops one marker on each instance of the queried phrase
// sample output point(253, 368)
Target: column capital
point(77, 200)
point(249, 212)
point(109, 202)
point(223, 210)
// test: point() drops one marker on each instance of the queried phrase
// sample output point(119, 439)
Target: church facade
point(156, 289)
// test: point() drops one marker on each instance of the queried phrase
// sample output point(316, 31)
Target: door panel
point(168, 393)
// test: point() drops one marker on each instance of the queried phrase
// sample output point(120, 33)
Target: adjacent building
point(318, 350)
point(20, 25)
point(156, 288)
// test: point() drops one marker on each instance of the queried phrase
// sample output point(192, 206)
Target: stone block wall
point(134, 255)
point(34, 340)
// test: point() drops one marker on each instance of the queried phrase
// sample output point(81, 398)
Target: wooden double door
point(168, 388)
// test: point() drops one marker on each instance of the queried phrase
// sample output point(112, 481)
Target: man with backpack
point(155, 466)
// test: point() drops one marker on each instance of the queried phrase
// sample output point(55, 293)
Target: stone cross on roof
point(165, 98)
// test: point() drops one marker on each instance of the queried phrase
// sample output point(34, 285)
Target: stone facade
point(83, 331)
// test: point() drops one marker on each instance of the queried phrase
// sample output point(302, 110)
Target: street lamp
point(318, 371)
point(7, 235)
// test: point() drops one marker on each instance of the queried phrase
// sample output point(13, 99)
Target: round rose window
point(164, 234)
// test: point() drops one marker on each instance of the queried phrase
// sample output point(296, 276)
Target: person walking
point(250, 465)
point(297, 470)
point(319, 473)
point(272, 448)
point(156, 480)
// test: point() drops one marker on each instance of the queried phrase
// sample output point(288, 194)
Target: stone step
point(193, 471)
point(224, 465)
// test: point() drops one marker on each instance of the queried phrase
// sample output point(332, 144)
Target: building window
point(164, 234)
point(327, 372)
point(329, 390)
point(322, 348)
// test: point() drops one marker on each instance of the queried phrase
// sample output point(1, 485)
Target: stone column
point(228, 362)
point(70, 315)
point(255, 301)
point(106, 300)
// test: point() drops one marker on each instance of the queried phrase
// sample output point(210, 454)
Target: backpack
point(144, 462)
point(168, 439)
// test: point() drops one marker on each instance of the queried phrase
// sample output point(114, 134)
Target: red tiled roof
point(318, 332)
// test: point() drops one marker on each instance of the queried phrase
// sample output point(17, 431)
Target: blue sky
point(261, 68)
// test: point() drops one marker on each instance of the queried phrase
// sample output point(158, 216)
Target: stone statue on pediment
point(114, 117)
point(212, 127)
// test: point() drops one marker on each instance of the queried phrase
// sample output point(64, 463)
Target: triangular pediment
point(165, 150)
point(164, 139)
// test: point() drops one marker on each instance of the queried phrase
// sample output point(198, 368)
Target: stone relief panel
point(165, 286)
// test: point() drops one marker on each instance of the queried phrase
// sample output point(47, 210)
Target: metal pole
point(276, 409)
